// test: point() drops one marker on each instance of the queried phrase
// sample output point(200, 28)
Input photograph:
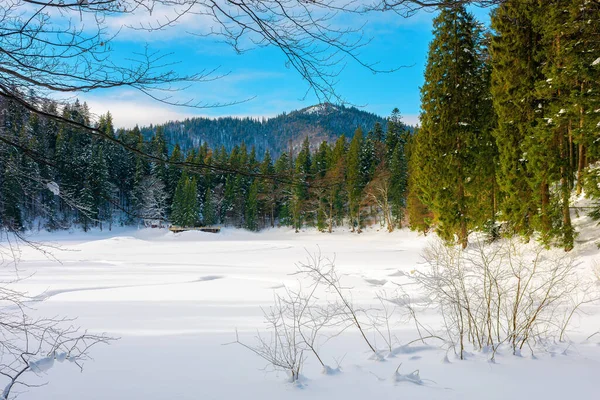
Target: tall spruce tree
point(284, 193)
point(251, 217)
point(184, 211)
point(336, 194)
point(420, 217)
point(301, 192)
point(209, 215)
point(451, 130)
point(398, 183)
point(517, 52)
point(354, 179)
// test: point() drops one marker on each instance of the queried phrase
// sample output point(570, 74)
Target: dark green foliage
point(453, 136)
point(398, 183)
point(185, 202)
point(545, 88)
point(209, 216)
point(355, 178)
point(516, 49)
point(251, 222)
point(12, 197)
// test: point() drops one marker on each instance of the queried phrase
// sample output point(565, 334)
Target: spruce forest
point(509, 132)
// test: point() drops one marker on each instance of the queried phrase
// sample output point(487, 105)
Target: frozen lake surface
point(176, 300)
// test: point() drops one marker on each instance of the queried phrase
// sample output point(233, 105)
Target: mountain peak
point(322, 109)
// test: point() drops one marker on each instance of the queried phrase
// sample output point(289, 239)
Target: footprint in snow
point(277, 286)
point(398, 273)
point(209, 278)
point(376, 282)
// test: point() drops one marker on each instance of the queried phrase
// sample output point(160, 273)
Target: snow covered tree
point(10, 213)
point(154, 201)
point(269, 189)
point(209, 214)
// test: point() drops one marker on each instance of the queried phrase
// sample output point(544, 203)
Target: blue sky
point(261, 76)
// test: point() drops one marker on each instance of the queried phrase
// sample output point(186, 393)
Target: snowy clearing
point(175, 300)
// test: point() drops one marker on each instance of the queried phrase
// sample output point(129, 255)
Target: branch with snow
point(31, 346)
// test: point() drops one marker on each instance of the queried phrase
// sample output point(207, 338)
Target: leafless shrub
point(32, 345)
point(491, 295)
point(382, 321)
point(296, 320)
point(596, 271)
point(282, 347)
point(294, 324)
point(322, 272)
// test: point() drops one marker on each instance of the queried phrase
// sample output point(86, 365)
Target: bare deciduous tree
point(153, 201)
point(377, 192)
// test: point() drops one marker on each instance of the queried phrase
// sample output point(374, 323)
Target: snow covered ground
point(176, 300)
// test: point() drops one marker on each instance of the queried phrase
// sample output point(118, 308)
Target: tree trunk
point(580, 167)
point(545, 193)
point(566, 191)
point(330, 216)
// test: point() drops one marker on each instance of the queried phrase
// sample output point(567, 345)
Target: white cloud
point(128, 113)
point(411, 119)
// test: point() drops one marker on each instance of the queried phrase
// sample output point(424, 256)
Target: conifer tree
point(301, 192)
point(209, 215)
point(100, 185)
point(516, 55)
point(568, 92)
point(142, 169)
point(450, 134)
point(10, 214)
point(398, 183)
point(185, 202)
point(420, 217)
point(335, 198)
point(284, 193)
point(191, 201)
point(355, 179)
point(394, 127)
point(251, 220)
point(379, 143)
point(173, 172)
point(269, 187)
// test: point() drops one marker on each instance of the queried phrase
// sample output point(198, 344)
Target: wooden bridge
point(209, 229)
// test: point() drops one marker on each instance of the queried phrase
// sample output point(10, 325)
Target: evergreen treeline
point(82, 179)
point(510, 131)
point(510, 120)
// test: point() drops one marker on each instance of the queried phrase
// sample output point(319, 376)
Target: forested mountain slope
point(323, 122)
